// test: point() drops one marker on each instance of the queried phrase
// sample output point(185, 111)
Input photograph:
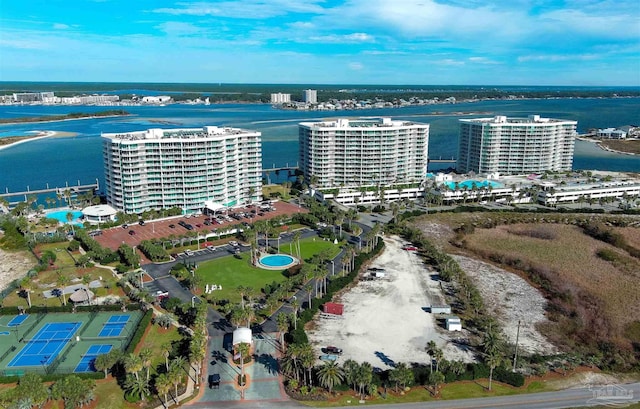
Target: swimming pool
point(480, 184)
point(277, 261)
point(61, 216)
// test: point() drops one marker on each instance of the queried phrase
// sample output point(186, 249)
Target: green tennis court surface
point(62, 342)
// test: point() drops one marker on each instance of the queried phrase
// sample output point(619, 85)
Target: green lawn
point(230, 272)
point(476, 389)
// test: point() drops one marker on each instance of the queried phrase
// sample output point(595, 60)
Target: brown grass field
point(572, 256)
point(591, 298)
point(631, 146)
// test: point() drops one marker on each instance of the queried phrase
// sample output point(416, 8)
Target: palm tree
point(102, 363)
point(62, 280)
point(330, 374)
point(146, 355)
point(401, 375)
point(163, 386)
point(133, 364)
point(165, 350)
point(364, 375)
point(350, 368)
point(493, 361)
point(137, 386)
point(175, 377)
point(435, 379)
point(243, 350)
point(307, 359)
point(283, 325)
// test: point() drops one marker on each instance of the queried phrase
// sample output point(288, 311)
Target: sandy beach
point(37, 136)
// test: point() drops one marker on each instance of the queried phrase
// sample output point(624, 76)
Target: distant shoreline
point(18, 140)
point(62, 118)
point(600, 144)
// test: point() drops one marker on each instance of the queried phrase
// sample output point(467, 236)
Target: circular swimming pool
point(277, 261)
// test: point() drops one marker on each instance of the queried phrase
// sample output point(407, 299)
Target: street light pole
point(193, 301)
point(333, 268)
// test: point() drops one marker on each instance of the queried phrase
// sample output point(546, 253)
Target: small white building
point(242, 335)
point(99, 214)
point(440, 309)
point(454, 324)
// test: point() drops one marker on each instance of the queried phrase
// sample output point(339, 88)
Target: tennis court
point(46, 344)
point(17, 320)
point(89, 358)
point(114, 326)
point(60, 342)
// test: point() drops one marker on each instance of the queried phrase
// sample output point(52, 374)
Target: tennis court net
point(44, 341)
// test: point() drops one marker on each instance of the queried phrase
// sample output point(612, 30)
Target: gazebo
point(242, 335)
point(82, 296)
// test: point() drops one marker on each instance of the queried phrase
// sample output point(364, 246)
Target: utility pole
point(515, 356)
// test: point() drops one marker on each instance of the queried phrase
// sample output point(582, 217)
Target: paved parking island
point(264, 381)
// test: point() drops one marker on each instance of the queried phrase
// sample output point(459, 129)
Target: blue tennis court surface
point(17, 320)
point(46, 344)
point(119, 319)
point(114, 326)
point(89, 358)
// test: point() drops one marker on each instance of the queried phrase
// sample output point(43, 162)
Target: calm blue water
point(78, 158)
point(276, 260)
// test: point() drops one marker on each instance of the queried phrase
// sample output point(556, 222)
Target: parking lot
point(204, 225)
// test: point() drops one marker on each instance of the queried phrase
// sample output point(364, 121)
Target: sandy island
point(11, 141)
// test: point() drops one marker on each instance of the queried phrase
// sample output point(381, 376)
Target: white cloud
point(178, 28)
point(482, 60)
point(23, 44)
point(60, 26)
point(343, 38)
point(558, 58)
point(355, 66)
point(449, 62)
point(302, 24)
point(247, 9)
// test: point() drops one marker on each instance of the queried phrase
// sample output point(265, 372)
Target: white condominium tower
point(280, 98)
point(311, 96)
point(164, 168)
point(353, 153)
point(515, 145)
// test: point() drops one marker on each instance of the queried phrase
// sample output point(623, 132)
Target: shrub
point(137, 336)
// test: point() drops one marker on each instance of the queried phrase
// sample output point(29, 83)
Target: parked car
point(141, 222)
point(125, 226)
point(328, 357)
point(333, 350)
point(132, 233)
point(172, 226)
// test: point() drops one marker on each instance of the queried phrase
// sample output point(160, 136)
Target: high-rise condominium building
point(311, 96)
point(280, 98)
point(164, 168)
point(352, 153)
point(515, 145)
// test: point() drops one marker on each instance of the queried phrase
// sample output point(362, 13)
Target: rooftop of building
point(360, 123)
point(181, 133)
point(531, 119)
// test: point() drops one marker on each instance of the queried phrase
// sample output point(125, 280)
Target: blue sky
point(508, 42)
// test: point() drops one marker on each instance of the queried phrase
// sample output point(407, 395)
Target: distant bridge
point(440, 160)
point(281, 168)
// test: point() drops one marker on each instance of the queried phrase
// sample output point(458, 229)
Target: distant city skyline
point(454, 42)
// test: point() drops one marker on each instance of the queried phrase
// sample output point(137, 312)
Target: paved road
point(570, 398)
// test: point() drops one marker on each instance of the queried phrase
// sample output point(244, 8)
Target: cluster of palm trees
point(32, 391)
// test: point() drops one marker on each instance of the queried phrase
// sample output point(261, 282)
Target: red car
point(410, 248)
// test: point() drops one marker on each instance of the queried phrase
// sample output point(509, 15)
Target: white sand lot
point(383, 320)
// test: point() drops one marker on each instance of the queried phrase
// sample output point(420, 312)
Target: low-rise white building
point(553, 194)
point(612, 133)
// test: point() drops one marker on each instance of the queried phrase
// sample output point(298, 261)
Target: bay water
point(58, 160)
